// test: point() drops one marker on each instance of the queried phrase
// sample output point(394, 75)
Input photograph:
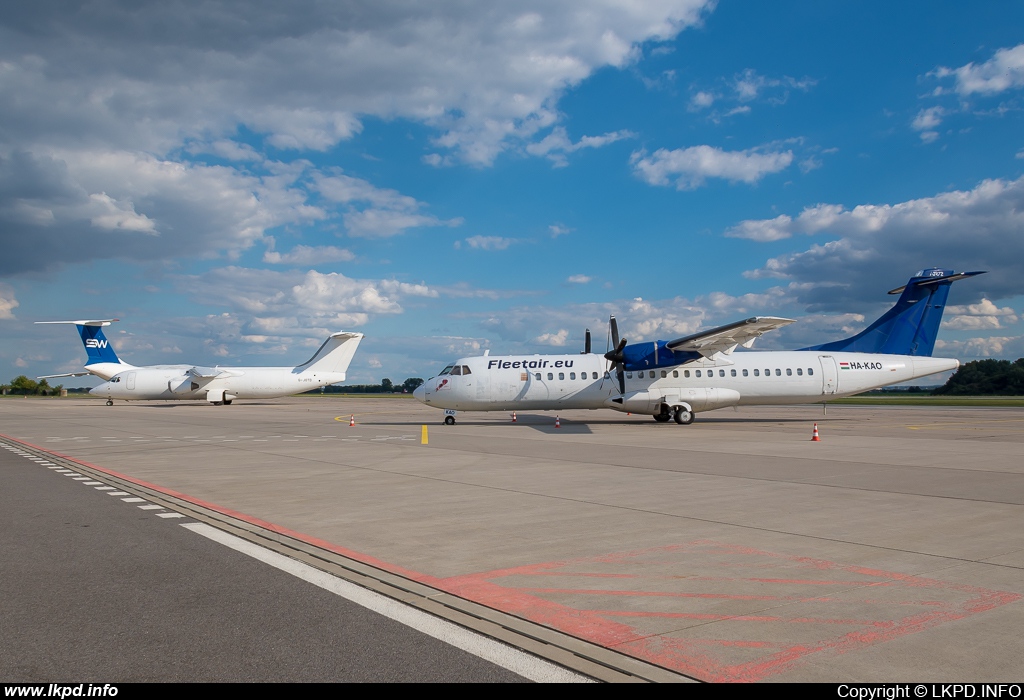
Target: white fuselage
point(176, 383)
point(553, 382)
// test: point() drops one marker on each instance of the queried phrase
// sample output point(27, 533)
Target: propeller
point(615, 356)
point(586, 343)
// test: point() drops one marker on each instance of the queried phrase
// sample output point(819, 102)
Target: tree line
point(22, 385)
point(386, 386)
point(986, 378)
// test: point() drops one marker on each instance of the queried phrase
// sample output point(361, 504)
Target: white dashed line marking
point(104, 488)
point(117, 493)
point(170, 515)
point(134, 500)
point(150, 507)
point(91, 483)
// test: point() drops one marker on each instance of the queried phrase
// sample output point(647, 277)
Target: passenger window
point(664, 374)
point(810, 371)
point(675, 373)
point(572, 375)
point(745, 373)
point(550, 376)
point(757, 373)
point(789, 372)
point(465, 370)
point(537, 376)
point(800, 371)
point(686, 373)
point(721, 373)
point(629, 375)
point(778, 372)
point(456, 371)
point(697, 372)
point(561, 376)
point(733, 372)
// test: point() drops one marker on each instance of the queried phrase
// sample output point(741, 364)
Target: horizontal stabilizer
point(102, 322)
point(68, 374)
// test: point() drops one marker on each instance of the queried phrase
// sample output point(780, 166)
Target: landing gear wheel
point(449, 420)
point(684, 417)
point(227, 402)
point(662, 417)
point(109, 402)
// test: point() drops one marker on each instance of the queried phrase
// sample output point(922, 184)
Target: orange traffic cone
point(513, 416)
point(558, 423)
point(352, 421)
point(815, 437)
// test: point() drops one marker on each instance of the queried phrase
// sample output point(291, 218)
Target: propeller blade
point(616, 355)
point(615, 330)
point(586, 343)
point(621, 376)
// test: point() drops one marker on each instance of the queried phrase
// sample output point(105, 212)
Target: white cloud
point(7, 302)
point(487, 242)
point(558, 230)
point(763, 230)
point(690, 167)
point(1004, 71)
point(878, 244)
point(555, 339)
point(308, 255)
point(981, 316)
point(579, 279)
point(557, 144)
point(286, 303)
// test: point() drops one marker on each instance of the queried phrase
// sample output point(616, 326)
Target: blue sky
point(234, 183)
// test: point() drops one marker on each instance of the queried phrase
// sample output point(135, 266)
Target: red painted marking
point(705, 657)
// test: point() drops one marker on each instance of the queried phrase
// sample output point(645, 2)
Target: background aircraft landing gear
point(684, 417)
point(449, 420)
point(110, 402)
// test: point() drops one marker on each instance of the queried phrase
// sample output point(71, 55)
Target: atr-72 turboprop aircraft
point(678, 378)
point(218, 385)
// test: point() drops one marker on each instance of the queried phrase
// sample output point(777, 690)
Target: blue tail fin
point(911, 326)
point(97, 347)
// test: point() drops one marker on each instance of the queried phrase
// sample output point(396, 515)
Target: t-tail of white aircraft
point(334, 356)
point(101, 360)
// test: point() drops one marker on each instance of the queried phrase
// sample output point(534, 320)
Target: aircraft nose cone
point(98, 390)
point(420, 393)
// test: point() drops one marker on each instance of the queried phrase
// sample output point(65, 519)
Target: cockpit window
point(446, 370)
point(456, 370)
point(465, 369)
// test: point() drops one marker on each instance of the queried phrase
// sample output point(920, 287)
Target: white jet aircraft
point(218, 385)
point(678, 378)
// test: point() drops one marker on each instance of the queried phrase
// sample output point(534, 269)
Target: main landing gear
point(110, 402)
point(449, 420)
point(681, 414)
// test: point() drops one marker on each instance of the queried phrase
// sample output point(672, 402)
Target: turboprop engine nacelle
point(697, 399)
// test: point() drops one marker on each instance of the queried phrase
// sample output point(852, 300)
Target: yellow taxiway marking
point(940, 426)
point(423, 436)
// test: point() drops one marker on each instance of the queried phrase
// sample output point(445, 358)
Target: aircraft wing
point(726, 338)
point(213, 372)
